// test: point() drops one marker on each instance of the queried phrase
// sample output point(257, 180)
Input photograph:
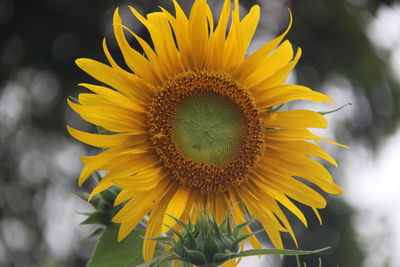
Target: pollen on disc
point(208, 128)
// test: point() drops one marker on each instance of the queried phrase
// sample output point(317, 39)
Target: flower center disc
point(206, 130)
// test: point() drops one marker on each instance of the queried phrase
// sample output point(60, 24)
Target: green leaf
point(98, 217)
point(110, 253)
point(128, 252)
point(287, 252)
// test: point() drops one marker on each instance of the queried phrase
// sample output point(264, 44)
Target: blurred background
point(351, 51)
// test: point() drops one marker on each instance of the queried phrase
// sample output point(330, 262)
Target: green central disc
point(207, 128)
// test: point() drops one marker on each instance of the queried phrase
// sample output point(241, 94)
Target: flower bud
point(206, 243)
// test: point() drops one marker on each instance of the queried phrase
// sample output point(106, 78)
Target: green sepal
point(180, 222)
point(334, 110)
point(165, 240)
point(195, 257)
point(226, 225)
point(95, 201)
point(102, 130)
point(175, 232)
point(191, 243)
point(98, 217)
point(108, 196)
point(239, 228)
point(274, 109)
point(245, 236)
point(220, 258)
point(74, 100)
point(157, 261)
point(210, 247)
point(215, 227)
point(97, 176)
point(285, 252)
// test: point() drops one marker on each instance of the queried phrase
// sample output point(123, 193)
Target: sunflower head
point(194, 125)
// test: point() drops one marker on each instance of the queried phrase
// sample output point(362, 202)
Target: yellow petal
point(270, 65)
point(100, 140)
point(280, 76)
point(288, 185)
point(142, 203)
point(111, 118)
point(112, 77)
point(153, 228)
point(268, 202)
point(299, 134)
point(318, 215)
point(264, 186)
point(238, 217)
point(135, 60)
point(143, 87)
point(293, 119)
point(163, 41)
point(123, 196)
point(127, 227)
point(305, 170)
point(288, 92)
point(231, 263)
point(221, 207)
point(93, 100)
point(303, 148)
point(101, 186)
point(176, 207)
point(140, 181)
point(113, 156)
point(198, 32)
point(180, 27)
point(130, 164)
point(249, 26)
point(165, 61)
point(234, 42)
point(114, 97)
point(265, 217)
point(85, 174)
point(252, 62)
point(217, 39)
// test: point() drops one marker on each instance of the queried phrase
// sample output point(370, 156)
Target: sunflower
point(194, 125)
